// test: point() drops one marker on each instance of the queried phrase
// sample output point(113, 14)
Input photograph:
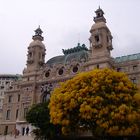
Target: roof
point(56, 60)
point(78, 54)
point(127, 58)
point(9, 76)
point(99, 9)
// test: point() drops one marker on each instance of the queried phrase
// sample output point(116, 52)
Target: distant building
point(40, 77)
point(6, 81)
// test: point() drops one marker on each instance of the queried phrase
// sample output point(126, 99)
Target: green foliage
point(39, 117)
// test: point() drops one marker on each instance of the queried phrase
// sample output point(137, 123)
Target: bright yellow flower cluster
point(100, 99)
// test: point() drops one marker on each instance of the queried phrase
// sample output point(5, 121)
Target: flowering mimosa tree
point(102, 100)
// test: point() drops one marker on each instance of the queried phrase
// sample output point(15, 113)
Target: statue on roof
point(38, 31)
point(38, 34)
point(78, 48)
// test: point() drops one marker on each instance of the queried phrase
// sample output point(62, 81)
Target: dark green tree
point(39, 117)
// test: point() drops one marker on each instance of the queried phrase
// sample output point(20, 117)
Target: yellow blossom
point(103, 98)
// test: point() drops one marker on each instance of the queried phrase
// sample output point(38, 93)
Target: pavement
point(9, 137)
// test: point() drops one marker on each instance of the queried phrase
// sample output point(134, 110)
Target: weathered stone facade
point(40, 78)
point(6, 81)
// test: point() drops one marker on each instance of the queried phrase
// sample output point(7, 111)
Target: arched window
point(47, 74)
point(61, 71)
point(75, 69)
point(97, 39)
point(46, 90)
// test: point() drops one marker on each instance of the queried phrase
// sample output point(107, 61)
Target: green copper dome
point(56, 60)
point(78, 53)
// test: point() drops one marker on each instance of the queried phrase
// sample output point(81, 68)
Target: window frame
point(8, 114)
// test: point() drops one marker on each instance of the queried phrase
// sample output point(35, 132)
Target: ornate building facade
point(40, 78)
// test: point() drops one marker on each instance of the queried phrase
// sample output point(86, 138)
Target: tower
point(100, 41)
point(36, 51)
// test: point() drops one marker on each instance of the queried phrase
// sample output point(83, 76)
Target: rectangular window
point(6, 130)
point(25, 112)
point(10, 99)
point(98, 66)
point(135, 67)
point(8, 115)
point(134, 80)
point(97, 38)
point(7, 82)
point(119, 69)
point(18, 97)
point(2, 87)
point(17, 113)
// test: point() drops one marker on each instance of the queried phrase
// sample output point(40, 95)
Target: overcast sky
point(64, 23)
